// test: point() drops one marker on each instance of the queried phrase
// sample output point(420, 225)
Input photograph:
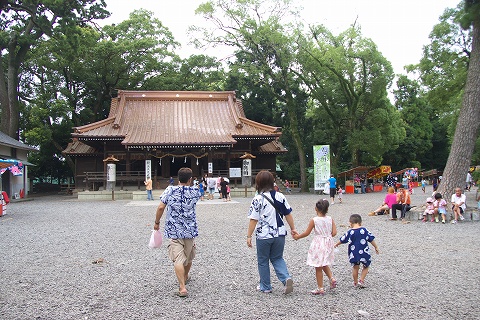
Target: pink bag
point(155, 239)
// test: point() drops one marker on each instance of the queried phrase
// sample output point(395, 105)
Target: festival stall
point(410, 173)
point(377, 174)
point(351, 177)
point(16, 168)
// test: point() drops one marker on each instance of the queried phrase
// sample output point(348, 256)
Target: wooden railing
point(93, 180)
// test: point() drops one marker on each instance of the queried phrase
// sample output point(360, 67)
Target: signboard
point(210, 167)
point(247, 168)
point(148, 169)
point(235, 172)
point(111, 172)
point(379, 172)
point(321, 165)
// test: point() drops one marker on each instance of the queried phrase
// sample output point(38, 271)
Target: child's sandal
point(318, 291)
point(333, 283)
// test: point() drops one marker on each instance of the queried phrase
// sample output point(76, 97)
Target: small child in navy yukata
point(358, 238)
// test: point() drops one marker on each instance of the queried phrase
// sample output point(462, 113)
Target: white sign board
point(235, 172)
point(148, 169)
point(111, 172)
point(210, 167)
point(247, 168)
point(321, 165)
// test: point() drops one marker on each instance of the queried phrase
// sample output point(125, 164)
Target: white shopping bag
point(155, 239)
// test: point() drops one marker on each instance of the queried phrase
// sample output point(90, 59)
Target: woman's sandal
point(333, 283)
point(319, 291)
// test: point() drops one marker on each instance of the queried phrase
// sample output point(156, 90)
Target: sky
point(399, 28)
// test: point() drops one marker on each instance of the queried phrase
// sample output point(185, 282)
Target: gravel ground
point(67, 259)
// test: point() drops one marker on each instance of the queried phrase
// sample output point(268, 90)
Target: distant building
point(173, 129)
point(13, 165)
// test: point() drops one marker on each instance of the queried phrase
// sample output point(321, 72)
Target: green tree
point(25, 24)
point(348, 79)
point(417, 119)
point(265, 48)
point(78, 73)
point(466, 131)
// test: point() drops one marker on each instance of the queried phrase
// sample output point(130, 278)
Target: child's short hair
point(438, 195)
point(355, 219)
point(322, 205)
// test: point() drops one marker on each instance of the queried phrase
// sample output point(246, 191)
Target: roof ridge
point(94, 125)
point(260, 125)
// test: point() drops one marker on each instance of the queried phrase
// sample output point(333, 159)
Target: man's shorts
point(211, 190)
point(181, 251)
point(333, 191)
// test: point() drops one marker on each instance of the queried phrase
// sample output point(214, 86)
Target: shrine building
point(205, 131)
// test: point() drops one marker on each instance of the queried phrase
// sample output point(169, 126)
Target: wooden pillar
point(127, 162)
point(104, 165)
point(228, 162)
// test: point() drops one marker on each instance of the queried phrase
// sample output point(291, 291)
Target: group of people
point(436, 206)
point(395, 201)
point(266, 215)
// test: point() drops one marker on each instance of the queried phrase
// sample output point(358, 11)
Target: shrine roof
point(176, 118)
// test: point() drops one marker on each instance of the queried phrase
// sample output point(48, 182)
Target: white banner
point(148, 169)
point(111, 172)
point(321, 165)
point(247, 168)
point(210, 167)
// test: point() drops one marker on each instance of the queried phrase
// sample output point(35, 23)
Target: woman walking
point(266, 213)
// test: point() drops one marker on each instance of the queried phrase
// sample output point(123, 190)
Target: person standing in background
point(148, 186)
point(333, 188)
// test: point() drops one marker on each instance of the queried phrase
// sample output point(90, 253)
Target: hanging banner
point(148, 169)
point(15, 167)
point(111, 172)
point(247, 168)
point(321, 165)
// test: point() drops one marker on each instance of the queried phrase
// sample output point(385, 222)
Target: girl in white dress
point(320, 254)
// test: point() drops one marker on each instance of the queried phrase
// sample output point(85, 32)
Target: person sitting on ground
point(458, 205)
point(390, 199)
point(440, 207)
point(403, 204)
point(429, 210)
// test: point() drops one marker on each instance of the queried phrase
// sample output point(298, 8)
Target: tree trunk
point(466, 132)
point(292, 115)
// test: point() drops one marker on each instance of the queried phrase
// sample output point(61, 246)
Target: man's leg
point(180, 272)
point(394, 210)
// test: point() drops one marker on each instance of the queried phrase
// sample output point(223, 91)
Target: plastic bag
point(155, 239)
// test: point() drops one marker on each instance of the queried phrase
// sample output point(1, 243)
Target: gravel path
point(67, 259)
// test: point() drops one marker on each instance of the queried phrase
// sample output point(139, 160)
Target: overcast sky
point(399, 28)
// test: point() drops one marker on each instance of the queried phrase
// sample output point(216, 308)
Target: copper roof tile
point(173, 118)
point(78, 148)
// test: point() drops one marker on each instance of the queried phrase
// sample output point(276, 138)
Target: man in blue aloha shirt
point(180, 225)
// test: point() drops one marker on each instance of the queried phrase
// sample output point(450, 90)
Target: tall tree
point(76, 75)
point(416, 115)
point(265, 47)
point(25, 24)
point(348, 79)
point(466, 132)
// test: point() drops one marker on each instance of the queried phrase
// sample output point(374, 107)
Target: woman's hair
point(355, 219)
point(391, 190)
point(264, 181)
point(438, 195)
point(322, 206)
